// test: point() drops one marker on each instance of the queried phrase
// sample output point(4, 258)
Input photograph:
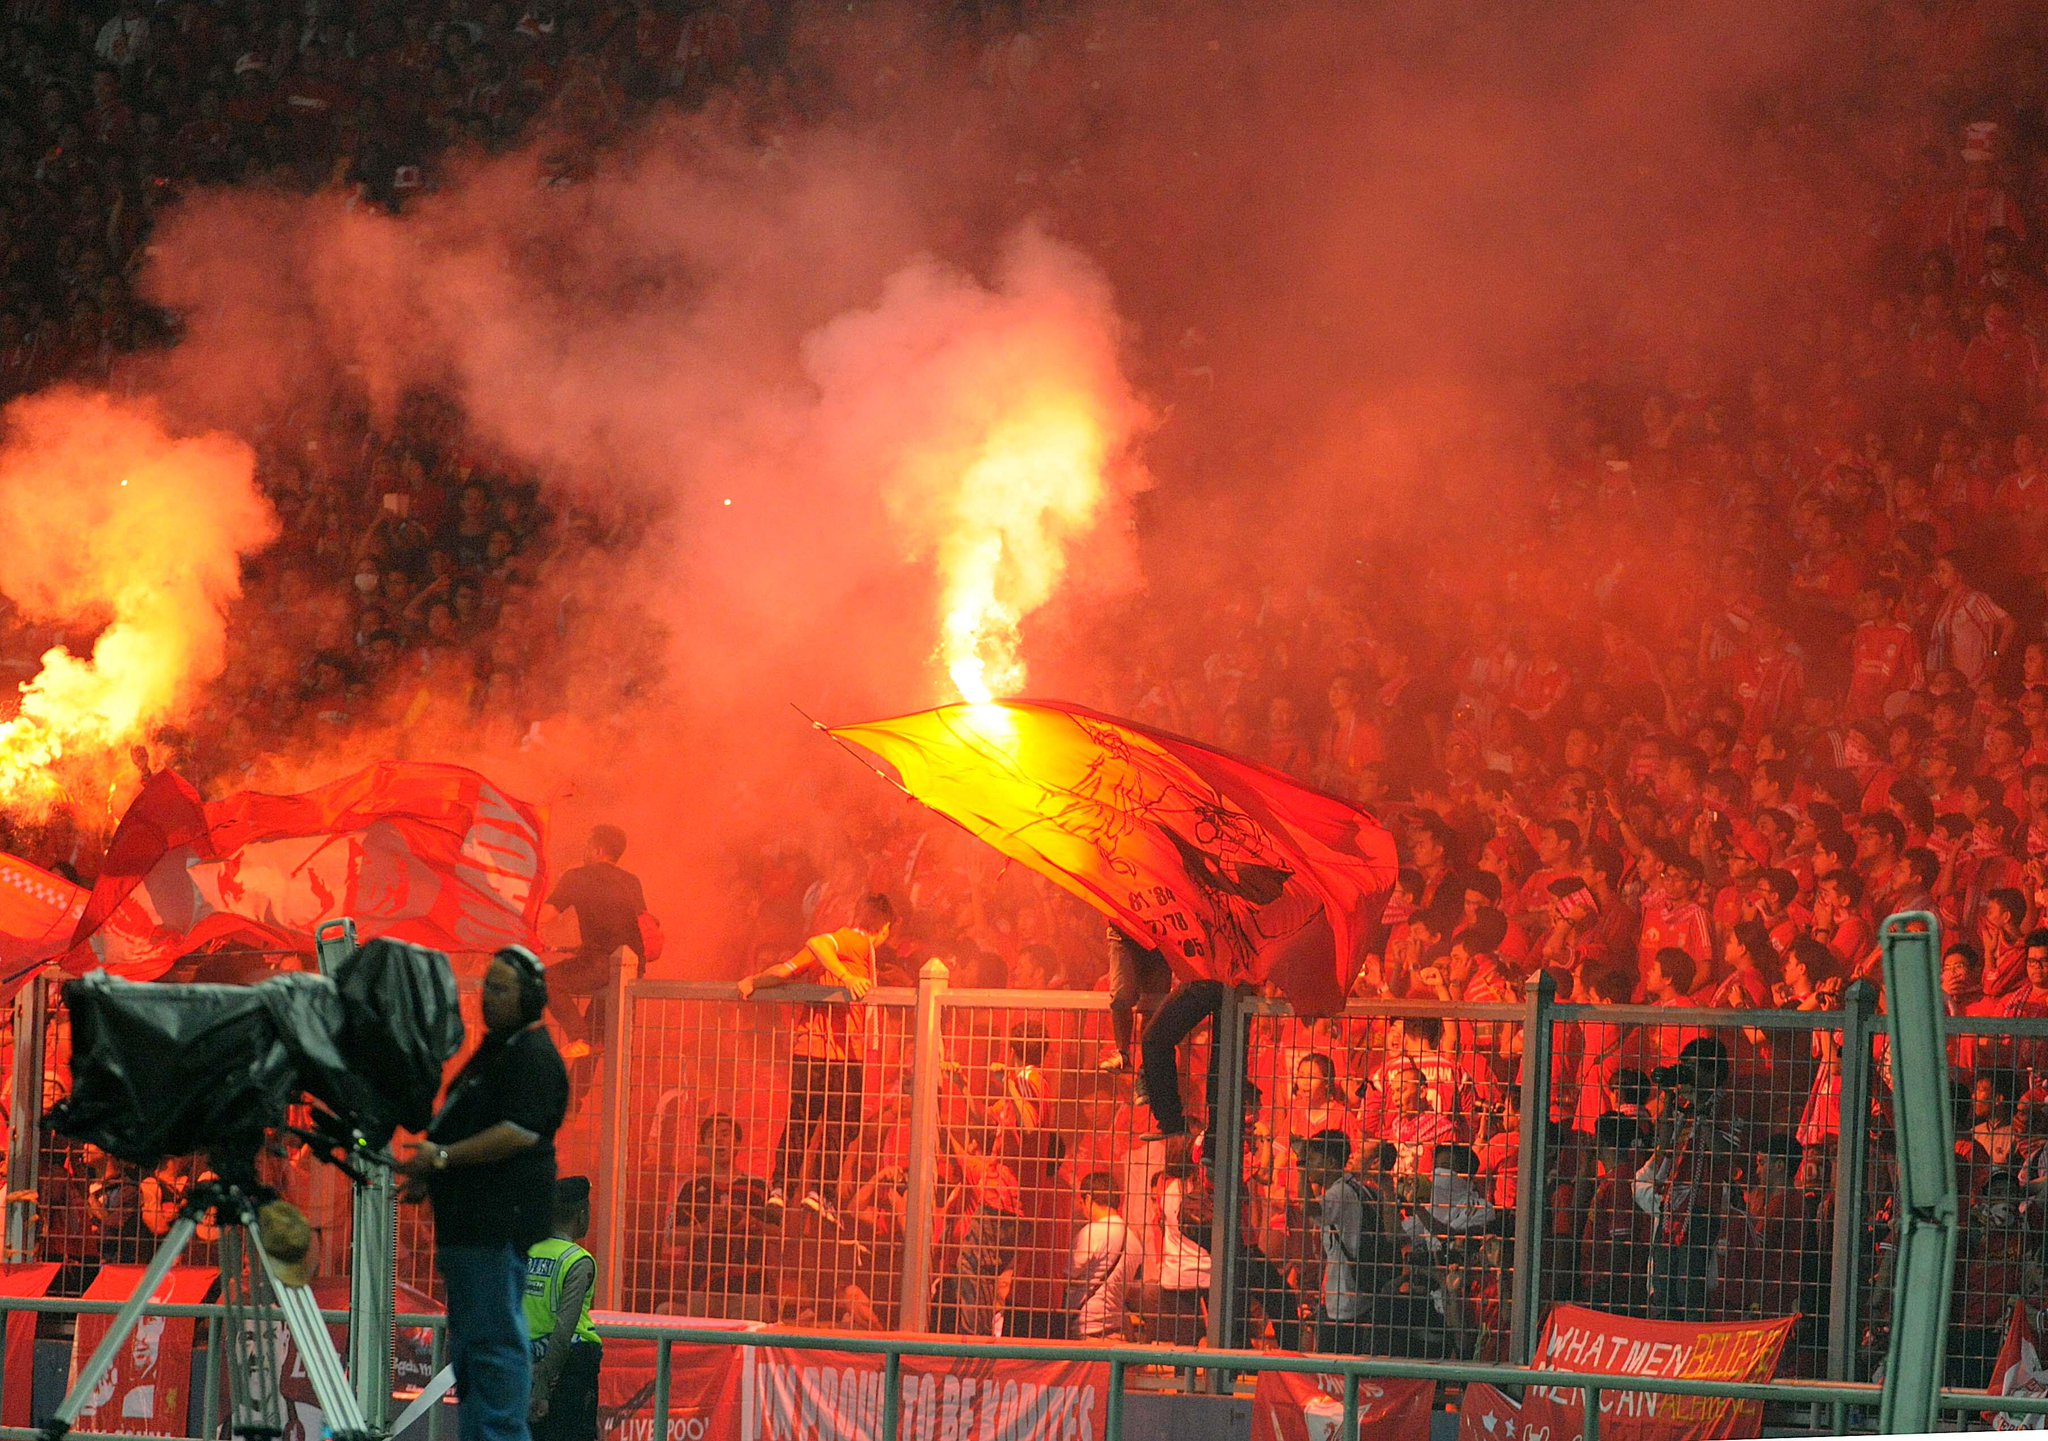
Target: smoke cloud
point(1313, 273)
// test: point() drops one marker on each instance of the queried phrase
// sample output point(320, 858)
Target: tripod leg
point(316, 1350)
point(255, 1401)
point(430, 1394)
point(123, 1324)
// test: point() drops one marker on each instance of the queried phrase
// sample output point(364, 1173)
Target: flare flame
point(1038, 484)
point(110, 519)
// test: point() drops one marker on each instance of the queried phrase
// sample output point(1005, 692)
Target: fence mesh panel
point(762, 1171)
point(1694, 1173)
point(1429, 1113)
point(1031, 1129)
point(1999, 1090)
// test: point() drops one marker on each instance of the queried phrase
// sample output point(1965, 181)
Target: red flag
point(38, 911)
point(2018, 1372)
point(431, 854)
point(1235, 871)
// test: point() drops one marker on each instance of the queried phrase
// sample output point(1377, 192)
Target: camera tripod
point(254, 1296)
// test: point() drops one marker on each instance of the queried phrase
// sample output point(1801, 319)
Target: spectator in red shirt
point(2001, 368)
point(1883, 655)
point(1350, 741)
point(1614, 1244)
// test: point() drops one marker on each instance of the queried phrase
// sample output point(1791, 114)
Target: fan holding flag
point(1237, 874)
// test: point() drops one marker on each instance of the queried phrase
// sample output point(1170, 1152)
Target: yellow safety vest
point(546, 1264)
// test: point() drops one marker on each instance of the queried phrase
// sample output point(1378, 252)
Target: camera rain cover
point(401, 1024)
point(169, 1070)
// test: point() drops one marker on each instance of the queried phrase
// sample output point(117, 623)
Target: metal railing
point(1839, 1398)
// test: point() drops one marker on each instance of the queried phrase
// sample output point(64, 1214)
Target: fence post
point(617, 1052)
point(1226, 1170)
point(1532, 1191)
point(373, 1254)
point(25, 1118)
point(927, 1060)
point(1859, 1011)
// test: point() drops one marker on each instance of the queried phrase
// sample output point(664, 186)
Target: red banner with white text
point(148, 1390)
point(1290, 1406)
point(1594, 1342)
point(762, 1393)
point(700, 1378)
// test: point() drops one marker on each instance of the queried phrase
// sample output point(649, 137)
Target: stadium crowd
point(1766, 663)
point(1835, 709)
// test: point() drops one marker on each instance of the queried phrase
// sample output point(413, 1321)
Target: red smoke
point(1344, 258)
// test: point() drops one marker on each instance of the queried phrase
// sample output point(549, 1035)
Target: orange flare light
point(1037, 484)
point(113, 522)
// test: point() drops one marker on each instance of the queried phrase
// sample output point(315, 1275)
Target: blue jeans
point(487, 1341)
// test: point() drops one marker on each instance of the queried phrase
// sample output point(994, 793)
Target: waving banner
point(38, 911)
point(2018, 1372)
point(1234, 871)
point(1577, 1339)
point(434, 855)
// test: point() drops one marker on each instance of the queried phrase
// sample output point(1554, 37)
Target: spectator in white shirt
point(1105, 1258)
point(122, 38)
point(1183, 1276)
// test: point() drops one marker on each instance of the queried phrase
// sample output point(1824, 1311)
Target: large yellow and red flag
point(1233, 870)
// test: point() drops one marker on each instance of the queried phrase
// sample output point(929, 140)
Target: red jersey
point(1614, 1247)
point(1685, 927)
point(1883, 658)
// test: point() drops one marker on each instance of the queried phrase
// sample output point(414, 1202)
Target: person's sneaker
point(576, 1051)
point(778, 1206)
point(814, 1203)
point(1162, 1134)
point(1114, 1064)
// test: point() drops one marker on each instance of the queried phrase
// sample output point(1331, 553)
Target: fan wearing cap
point(488, 1165)
point(561, 1277)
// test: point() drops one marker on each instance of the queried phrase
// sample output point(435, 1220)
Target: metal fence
point(1851, 1405)
point(919, 1162)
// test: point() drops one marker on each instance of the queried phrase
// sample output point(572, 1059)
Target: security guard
point(561, 1277)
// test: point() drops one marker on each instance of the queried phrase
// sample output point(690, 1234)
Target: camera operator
point(488, 1164)
point(1685, 1186)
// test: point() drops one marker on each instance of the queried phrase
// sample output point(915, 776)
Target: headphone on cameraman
point(533, 982)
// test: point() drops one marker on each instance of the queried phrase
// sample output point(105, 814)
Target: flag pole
point(870, 763)
point(866, 760)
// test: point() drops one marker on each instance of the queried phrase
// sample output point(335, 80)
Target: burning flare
point(115, 524)
point(1038, 484)
point(1000, 419)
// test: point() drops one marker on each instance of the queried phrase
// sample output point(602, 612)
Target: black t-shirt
point(607, 902)
point(728, 1225)
point(518, 1078)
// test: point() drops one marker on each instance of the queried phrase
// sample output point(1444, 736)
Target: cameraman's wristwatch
point(440, 1158)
